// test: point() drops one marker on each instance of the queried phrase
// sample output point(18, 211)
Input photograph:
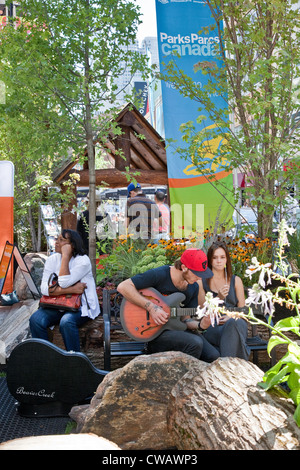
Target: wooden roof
point(147, 155)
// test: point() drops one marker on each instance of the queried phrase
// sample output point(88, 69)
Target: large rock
point(15, 327)
point(130, 405)
point(35, 263)
point(223, 408)
point(60, 442)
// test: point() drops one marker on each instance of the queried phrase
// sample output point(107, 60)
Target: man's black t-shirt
point(160, 279)
point(141, 212)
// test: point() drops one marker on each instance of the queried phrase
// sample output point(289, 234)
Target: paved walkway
point(14, 426)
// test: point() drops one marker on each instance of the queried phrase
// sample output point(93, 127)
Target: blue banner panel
point(179, 25)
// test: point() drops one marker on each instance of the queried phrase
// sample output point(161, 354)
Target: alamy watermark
point(141, 222)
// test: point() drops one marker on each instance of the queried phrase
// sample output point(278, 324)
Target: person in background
point(164, 228)
point(141, 212)
point(74, 271)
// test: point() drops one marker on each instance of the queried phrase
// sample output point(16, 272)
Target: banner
point(7, 214)
point(196, 199)
point(141, 90)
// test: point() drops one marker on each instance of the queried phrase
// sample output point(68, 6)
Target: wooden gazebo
point(146, 155)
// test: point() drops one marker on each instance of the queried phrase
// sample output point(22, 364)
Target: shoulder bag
point(65, 302)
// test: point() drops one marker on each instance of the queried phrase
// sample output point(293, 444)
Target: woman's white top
point(80, 271)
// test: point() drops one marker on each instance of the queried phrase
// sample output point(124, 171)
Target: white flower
point(254, 295)
point(258, 296)
point(265, 269)
point(283, 229)
point(253, 268)
point(210, 308)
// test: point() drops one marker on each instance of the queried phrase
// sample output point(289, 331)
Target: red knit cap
point(196, 261)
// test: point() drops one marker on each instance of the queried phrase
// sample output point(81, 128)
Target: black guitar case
point(48, 381)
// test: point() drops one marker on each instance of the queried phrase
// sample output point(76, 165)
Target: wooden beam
point(137, 122)
point(146, 153)
point(138, 161)
point(116, 179)
point(122, 143)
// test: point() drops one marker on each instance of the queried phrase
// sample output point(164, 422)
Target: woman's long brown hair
point(210, 254)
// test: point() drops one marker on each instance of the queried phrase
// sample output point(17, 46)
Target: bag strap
point(53, 285)
point(88, 306)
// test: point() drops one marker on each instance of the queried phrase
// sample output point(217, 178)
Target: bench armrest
point(106, 324)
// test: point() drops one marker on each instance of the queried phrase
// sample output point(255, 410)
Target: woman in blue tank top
point(229, 337)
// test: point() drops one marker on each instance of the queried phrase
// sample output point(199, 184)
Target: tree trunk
point(265, 224)
point(264, 187)
point(92, 203)
point(91, 161)
point(39, 233)
point(30, 219)
point(223, 409)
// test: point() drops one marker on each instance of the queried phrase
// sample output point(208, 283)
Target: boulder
point(15, 327)
point(35, 263)
point(223, 408)
point(130, 405)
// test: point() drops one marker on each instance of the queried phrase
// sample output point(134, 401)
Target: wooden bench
point(111, 318)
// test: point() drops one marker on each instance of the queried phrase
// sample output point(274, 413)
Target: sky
point(148, 17)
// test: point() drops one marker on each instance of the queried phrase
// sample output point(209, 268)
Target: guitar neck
point(182, 312)
point(179, 311)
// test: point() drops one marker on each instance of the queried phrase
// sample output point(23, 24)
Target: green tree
point(259, 47)
point(28, 138)
point(76, 50)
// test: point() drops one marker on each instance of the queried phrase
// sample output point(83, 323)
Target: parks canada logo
point(191, 44)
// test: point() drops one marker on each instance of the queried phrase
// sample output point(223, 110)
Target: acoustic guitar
point(138, 323)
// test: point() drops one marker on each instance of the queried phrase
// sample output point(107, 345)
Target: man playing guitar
point(182, 278)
